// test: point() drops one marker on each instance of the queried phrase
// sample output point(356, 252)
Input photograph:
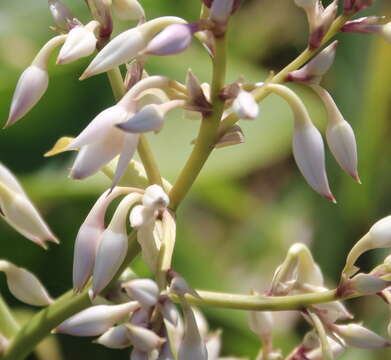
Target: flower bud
point(336, 349)
point(367, 284)
point(150, 118)
point(233, 136)
point(142, 316)
point(180, 286)
point(314, 70)
point(261, 324)
point(80, 42)
point(244, 106)
point(143, 339)
point(20, 213)
point(128, 9)
point(141, 216)
point(155, 198)
point(364, 25)
point(24, 285)
point(96, 320)
point(221, 10)
point(113, 245)
point(169, 311)
point(334, 311)
point(145, 291)
point(127, 45)
point(172, 40)
point(62, 16)
point(87, 239)
point(115, 338)
point(308, 151)
point(360, 337)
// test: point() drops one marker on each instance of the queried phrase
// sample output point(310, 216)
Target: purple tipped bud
point(96, 320)
point(360, 337)
point(115, 338)
point(364, 25)
point(87, 240)
point(155, 198)
point(367, 284)
point(62, 16)
point(127, 45)
point(31, 86)
point(24, 285)
point(20, 213)
point(128, 9)
point(145, 291)
point(221, 10)
point(174, 39)
point(357, 5)
point(143, 339)
point(80, 42)
point(244, 106)
point(308, 151)
point(113, 245)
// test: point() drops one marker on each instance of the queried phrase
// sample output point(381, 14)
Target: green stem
point(208, 133)
point(8, 325)
point(261, 303)
point(144, 150)
point(280, 77)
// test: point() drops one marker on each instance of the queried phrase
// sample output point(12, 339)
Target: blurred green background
point(250, 202)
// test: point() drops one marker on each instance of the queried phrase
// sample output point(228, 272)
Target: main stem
point(208, 134)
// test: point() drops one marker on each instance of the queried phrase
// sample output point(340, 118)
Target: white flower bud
point(96, 320)
point(113, 245)
point(141, 216)
point(308, 151)
point(380, 233)
point(155, 198)
point(244, 106)
point(367, 284)
point(180, 286)
point(145, 291)
point(334, 311)
point(261, 324)
point(31, 86)
point(170, 312)
point(139, 355)
point(24, 285)
point(221, 10)
point(80, 42)
point(174, 39)
point(360, 337)
point(127, 45)
point(336, 350)
point(142, 316)
point(143, 339)
point(128, 9)
point(87, 239)
point(61, 14)
point(115, 338)
point(20, 213)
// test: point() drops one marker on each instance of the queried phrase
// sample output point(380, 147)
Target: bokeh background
point(250, 202)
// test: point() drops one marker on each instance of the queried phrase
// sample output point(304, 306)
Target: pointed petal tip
point(330, 197)
point(84, 76)
point(356, 178)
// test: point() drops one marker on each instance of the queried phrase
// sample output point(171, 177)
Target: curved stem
point(208, 133)
point(307, 54)
point(8, 325)
point(262, 303)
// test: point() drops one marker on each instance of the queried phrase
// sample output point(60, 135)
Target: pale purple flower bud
point(128, 9)
point(145, 291)
point(141, 216)
point(113, 245)
point(364, 25)
point(92, 157)
point(360, 337)
point(24, 285)
point(80, 42)
point(244, 106)
point(192, 346)
point(174, 39)
point(170, 312)
point(142, 316)
point(31, 86)
point(20, 213)
point(115, 338)
point(62, 16)
point(261, 324)
point(96, 320)
point(221, 10)
point(213, 345)
point(313, 71)
point(180, 286)
point(127, 45)
point(87, 239)
point(143, 339)
point(139, 355)
point(308, 151)
point(367, 284)
point(155, 198)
